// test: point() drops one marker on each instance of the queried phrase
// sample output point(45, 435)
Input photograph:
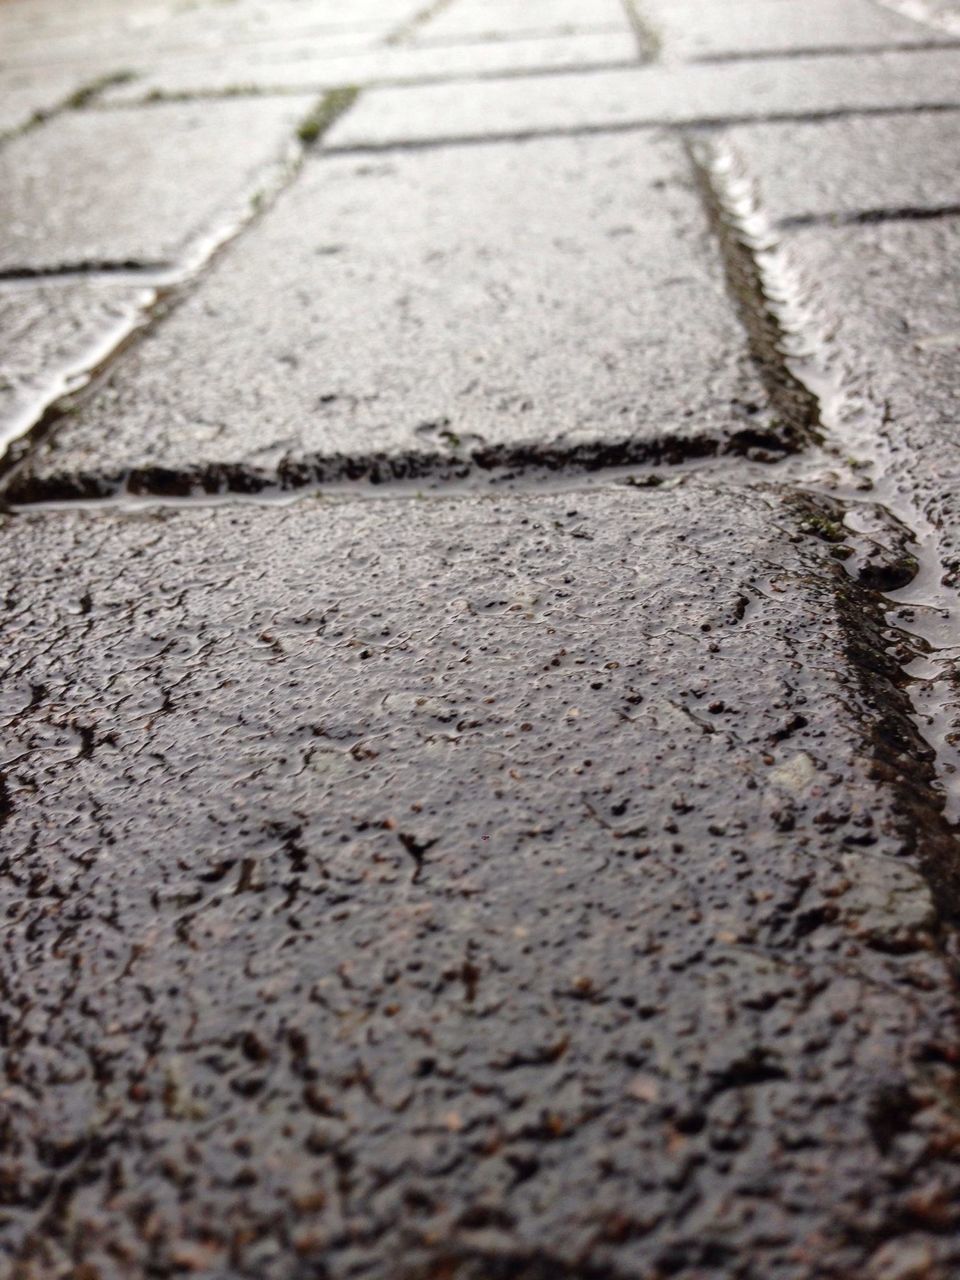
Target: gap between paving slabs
point(846, 472)
point(85, 96)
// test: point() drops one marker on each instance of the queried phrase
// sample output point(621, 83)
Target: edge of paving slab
point(164, 285)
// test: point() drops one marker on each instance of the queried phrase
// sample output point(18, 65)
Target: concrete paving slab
point(134, 186)
point(943, 15)
point(51, 331)
point(486, 19)
point(394, 63)
point(847, 167)
point(388, 117)
point(49, 34)
point(390, 312)
point(894, 294)
point(749, 27)
point(515, 887)
point(137, 52)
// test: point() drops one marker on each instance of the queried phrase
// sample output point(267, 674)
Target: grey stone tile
point(651, 94)
point(393, 63)
point(51, 331)
point(847, 166)
point(486, 19)
point(133, 185)
point(554, 294)
point(446, 842)
point(137, 52)
point(942, 15)
point(748, 27)
point(54, 33)
point(892, 293)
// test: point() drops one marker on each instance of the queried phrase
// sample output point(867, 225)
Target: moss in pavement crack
point(329, 109)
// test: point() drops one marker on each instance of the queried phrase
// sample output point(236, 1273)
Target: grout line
point(407, 30)
point(75, 101)
point(491, 484)
point(479, 467)
point(133, 271)
point(770, 309)
point(160, 97)
point(853, 470)
point(648, 38)
point(869, 217)
point(635, 126)
point(825, 51)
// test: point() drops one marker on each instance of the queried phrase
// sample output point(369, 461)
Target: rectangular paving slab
point(137, 31)
point(796, 86)
point(390, 63)
point(750, 27)
point(403, 317)
point(845, 168)
point(893, 293)
point(50, 331)
point(500, 19)
point(134, 185)
point(393, 889)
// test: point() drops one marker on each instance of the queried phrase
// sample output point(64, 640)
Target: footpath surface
point(480, 546)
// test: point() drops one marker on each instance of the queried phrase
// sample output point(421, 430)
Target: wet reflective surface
point(494, 880)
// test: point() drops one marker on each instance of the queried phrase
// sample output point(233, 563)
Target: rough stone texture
point(40, 34)
point(485, 19)
point(502, 888)
point(406, 306)
point(47, 333)
point(690, 29)
point(393, 63)
point(650, 94)
point(134, 185)
point(852, 166)
point(893, 293)
point(137, 51)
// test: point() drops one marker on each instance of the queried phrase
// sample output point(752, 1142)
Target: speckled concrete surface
point(462, 888)
point(530, 852)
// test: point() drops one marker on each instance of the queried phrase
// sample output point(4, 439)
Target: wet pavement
point(479, 789)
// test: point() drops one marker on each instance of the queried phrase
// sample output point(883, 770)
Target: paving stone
point(797, 86)
point(844, 167)
point(388, 312)
point(749, 27)
point(134, 185)
point(49, 332)
point(394, 63)
point(485, 19)
point(136, 53)
point(126, 31)
point(893, 295)
point(943, 15)
point(515, 887)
